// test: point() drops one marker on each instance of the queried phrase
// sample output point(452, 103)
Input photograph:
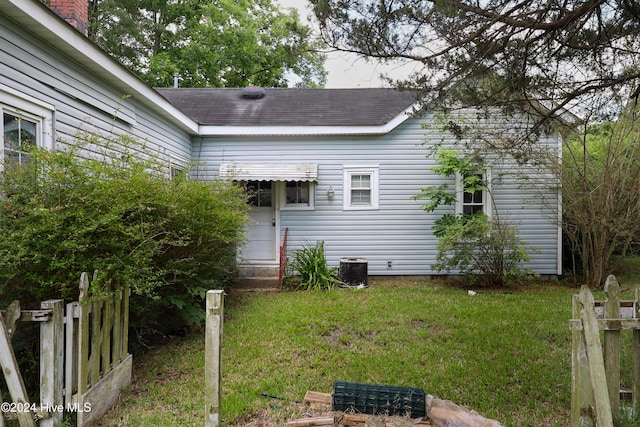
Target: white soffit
point(269, 171)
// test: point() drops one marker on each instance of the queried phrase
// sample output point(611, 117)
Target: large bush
point(487, 250)
point(484, 249)
point(170, 240)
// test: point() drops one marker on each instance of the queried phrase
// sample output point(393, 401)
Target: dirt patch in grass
point(334, 336)
point(339, 335)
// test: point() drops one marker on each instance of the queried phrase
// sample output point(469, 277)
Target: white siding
point(400, 230)
point(82, 101)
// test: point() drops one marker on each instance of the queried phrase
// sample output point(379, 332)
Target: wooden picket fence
point(596, 396)
point(84, 358)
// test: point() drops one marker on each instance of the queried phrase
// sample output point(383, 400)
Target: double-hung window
point(20, 133)
point(25, 123)
point(361, 187)
point(474, 194)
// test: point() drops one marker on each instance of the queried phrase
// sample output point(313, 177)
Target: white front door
point(261, 231)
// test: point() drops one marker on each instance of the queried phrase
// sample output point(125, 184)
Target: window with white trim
point(471, 199)
point(176, 169)
point(361, 187)
point(20, 136)
point(175, 172)
point(298, 195)
point(25, 123)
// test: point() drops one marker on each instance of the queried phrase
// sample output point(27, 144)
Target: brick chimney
point(75, 12)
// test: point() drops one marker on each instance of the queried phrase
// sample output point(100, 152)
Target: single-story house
point(341, 166)
point(333, 165)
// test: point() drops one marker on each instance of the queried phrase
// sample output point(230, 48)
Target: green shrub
point(489, 250)
point(310, 266)
point(474, 245)
point(170, 240)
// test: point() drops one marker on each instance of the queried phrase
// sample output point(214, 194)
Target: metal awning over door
point(269, 171)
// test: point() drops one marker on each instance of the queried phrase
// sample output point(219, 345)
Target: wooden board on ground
point(358, 420)
point(317, 397)
point(312, 421)
point(355, 420)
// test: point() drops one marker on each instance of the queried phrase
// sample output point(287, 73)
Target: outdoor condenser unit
point(353, 271)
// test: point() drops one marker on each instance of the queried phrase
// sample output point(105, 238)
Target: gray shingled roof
point(290, 106)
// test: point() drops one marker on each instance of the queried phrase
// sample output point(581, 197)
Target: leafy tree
point(472, 244)
point(545, 57)
point(218, 43)
point(600, 175)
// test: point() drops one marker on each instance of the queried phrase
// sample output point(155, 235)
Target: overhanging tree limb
point(560, 54)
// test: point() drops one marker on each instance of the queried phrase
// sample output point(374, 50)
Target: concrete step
point(258, 282)
point(258, 271)
point(258, 278)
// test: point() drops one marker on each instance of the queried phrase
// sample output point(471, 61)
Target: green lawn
point(506, 354)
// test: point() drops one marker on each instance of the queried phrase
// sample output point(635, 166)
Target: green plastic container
point(378, 399)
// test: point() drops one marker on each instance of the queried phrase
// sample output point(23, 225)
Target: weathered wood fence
point(596, 395)
point(84, 358)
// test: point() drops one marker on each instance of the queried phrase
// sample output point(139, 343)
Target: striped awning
point(269, 171)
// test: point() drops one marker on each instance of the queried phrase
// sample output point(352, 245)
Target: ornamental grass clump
point(310, 269)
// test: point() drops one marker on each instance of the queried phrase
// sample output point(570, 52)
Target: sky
point(347, 70)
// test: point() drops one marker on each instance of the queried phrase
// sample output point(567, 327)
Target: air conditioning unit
point(353, 272)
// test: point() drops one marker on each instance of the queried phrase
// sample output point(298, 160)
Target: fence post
point(212, 356)
point(70, 353)
point(635, 382)
point(83, 336)
point(612, 345)
point(12, 376)
point(51, 363)
point(107, 329)
point(125, 322)
point(581, 390)
point(597, 373)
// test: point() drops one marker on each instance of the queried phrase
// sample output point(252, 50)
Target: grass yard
point(506, 354)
